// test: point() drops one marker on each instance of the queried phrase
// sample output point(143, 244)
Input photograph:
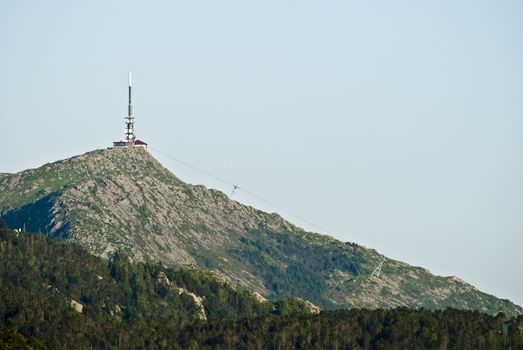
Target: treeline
point(44, 283)
point(399, 328)
point(56, 295)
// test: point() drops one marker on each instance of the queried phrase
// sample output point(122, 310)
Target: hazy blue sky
point(394, 124)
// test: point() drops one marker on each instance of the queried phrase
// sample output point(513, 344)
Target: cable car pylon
point(377, 270)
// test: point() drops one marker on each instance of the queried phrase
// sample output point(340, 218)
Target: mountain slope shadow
point(37, 216)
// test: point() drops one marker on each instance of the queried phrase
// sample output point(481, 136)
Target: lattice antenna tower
point(129, 120)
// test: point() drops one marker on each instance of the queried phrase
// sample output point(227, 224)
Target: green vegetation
point(10, 339)
point(141, 305)
point(400, 328)
point(293, 266)
point(123, 304)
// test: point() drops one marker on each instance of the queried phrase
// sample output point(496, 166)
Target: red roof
point(139, 142)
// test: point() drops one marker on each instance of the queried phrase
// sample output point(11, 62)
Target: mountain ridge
point(124, 199)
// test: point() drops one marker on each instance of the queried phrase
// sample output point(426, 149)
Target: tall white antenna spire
point(129, 122)
point(130, 137)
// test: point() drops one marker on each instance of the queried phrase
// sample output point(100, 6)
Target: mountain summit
point(124, 199)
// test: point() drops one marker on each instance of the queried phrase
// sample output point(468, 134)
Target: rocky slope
point(123, 199)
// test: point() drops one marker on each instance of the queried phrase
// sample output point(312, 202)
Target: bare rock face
point(198, 301)
point(77, 306)
point(124, 199)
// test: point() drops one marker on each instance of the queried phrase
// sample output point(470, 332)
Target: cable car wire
point(236, 187)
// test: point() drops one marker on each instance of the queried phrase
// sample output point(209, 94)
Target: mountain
point(125, 200)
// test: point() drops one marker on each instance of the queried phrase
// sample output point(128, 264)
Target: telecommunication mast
point(129, 120)
point(130, 136)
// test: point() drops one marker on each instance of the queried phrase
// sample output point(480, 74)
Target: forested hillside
point(55, 294)
point(399, 328)
point(61, 294)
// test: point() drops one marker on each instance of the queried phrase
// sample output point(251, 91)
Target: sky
point(393, 124)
